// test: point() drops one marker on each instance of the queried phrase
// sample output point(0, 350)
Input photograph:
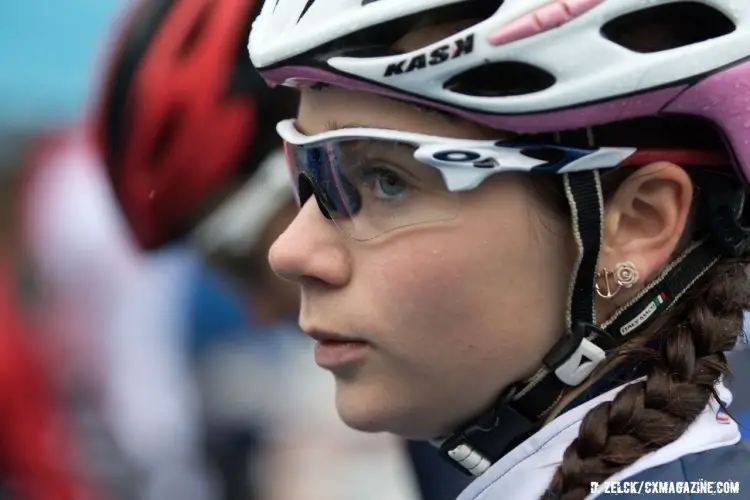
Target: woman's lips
point(333, 353)
point(334, 349)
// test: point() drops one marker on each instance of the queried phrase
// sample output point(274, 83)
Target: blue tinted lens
point(321, 166)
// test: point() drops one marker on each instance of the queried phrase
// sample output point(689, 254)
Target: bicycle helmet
point(183, 114)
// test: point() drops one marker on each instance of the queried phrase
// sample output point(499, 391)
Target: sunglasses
point(372, 181)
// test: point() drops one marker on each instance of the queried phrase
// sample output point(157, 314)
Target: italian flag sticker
point(647, 312)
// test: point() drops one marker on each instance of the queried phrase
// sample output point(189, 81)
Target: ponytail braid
point(685, 359)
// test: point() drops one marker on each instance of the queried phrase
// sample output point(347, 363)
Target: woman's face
point(451, 312)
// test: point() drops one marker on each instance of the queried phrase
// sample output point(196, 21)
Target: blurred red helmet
point(183, 113)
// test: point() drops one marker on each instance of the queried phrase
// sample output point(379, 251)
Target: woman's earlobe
point(609, 283)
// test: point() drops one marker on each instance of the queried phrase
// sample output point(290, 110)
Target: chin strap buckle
point(470, 459)
point(482, 442)
point(574, 356)
point(479, 444)
point(581, 363)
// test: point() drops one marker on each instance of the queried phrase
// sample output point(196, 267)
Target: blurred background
point(148, 375)
point(174, 374)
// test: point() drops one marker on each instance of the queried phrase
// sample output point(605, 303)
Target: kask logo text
point(461, 47)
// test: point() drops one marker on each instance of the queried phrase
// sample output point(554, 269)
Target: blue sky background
point(50, 58)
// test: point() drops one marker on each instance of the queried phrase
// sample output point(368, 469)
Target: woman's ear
point(645, 219)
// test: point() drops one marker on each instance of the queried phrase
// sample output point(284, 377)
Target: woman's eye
point(387, 184)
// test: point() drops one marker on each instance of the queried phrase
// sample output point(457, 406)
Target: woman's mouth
point(334, 350)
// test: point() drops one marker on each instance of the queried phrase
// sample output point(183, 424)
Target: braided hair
point(686, 360)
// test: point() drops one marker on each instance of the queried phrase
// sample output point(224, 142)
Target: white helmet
point(565, 71)
point(534, 66)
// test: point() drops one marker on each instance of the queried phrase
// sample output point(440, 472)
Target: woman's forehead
point(332, 107)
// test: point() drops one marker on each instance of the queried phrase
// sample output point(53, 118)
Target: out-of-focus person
point(104, 311)
point(39, 455)
point(116, 319)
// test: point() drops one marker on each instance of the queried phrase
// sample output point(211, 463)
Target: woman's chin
point(370, 414)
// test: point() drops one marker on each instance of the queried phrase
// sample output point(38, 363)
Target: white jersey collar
point(525, 472)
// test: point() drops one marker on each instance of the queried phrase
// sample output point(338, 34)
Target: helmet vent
point(196, 30)
point(165, 136)
point(383, 39)
point(500, 79)
point(667, 26)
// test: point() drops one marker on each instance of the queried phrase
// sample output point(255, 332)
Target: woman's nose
point(311, 247)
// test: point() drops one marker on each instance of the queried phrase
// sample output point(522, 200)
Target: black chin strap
point(519, 411)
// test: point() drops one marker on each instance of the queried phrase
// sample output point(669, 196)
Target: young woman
point(522, 228)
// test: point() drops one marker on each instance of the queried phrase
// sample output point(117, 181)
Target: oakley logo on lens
point(461, 47)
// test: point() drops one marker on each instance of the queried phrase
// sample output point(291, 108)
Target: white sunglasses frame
point(465, 163)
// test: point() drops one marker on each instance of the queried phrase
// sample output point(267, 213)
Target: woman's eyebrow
point(336, 125)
